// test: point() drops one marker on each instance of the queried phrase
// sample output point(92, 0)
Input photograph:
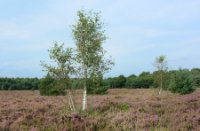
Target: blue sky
point(138, 31)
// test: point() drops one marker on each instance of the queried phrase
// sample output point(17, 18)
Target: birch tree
point(161, 65)
point(89, 37)
point(61, 68)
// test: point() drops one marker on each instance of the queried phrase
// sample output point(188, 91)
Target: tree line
point(151, 80)
point(19, 83)
point(143, 80)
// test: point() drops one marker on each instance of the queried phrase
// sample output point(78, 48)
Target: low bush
point(181, 82)
point(98, 90)
point(51, 87)
point(46, 85)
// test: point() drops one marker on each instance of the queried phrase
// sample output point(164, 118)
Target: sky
point(138, 31)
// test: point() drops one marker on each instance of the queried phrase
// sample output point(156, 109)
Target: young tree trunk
point(84, 99)
point(69, 103)
point(84, 102)
point(161, 83)
point(72, 102)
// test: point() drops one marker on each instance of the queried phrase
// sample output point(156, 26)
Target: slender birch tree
point(62, 68)
point(89, 37)
point(161, 65)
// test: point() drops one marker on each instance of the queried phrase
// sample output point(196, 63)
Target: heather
point(119, 109)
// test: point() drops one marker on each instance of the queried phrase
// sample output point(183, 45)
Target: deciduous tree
point(161, 65)
point(89, 37)
point(61, 70)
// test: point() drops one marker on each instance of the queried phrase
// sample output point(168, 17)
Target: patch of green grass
point(124, 107)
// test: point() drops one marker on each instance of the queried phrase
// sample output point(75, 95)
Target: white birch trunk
point(161, 84)
point(159, 91)
point(84, 102)
point(84, 106)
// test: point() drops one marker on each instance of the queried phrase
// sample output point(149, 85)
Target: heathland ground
point(120, 109)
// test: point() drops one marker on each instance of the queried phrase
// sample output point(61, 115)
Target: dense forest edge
point(143, 80)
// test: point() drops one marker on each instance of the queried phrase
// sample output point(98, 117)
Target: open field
point(120, 109)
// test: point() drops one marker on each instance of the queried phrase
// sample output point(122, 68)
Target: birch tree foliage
point(62, 62)
point(89, 37)
point(59, 69)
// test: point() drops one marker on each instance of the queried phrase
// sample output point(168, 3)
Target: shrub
point(94, 88)
point(46, 85)
point(56, 92)
point(95, 85)
point(51, 87)
point(181, 82)
point(196, 76)
point(99, 90)
point(59, 87)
